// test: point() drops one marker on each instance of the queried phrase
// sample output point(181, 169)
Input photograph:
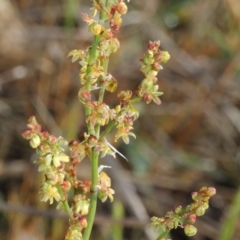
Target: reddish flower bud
point(27, 133)
point(194, 196)
point(66, 185)
point(84, 96)
point(211, 191)
point(92, 140)
point(73, 143)
point(147, 97)
point(83, 221)
point(192, 218)
point(122, 8)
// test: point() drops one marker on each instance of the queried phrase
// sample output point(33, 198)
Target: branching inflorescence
point(59, 168)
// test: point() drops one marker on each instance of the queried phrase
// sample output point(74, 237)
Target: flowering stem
point(93, 198)
point(102, 91)
point(65, 202)
point(92, 57)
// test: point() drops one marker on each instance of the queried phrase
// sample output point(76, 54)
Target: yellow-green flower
point(49, 192)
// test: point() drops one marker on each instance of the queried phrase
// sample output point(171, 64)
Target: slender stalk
point(93, 198)
point(107, 130)
point(92, 58)
point(102, 91)
point(65, 203)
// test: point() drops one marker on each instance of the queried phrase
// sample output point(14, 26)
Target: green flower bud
point(111, 85)
point(190, 230)
point(165, 56)
point(178, 209)
point(95, 28)
point(35, 141)
point(200, 210)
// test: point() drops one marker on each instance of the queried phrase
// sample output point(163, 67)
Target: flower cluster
point(148, 89)
point(104, 184)
point(185, 217)
point(52, 159)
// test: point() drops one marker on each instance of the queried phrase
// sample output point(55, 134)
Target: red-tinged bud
point(147, 97)
point(190, 230)
point(32, 120)
point(83, 221)
point(150, 45)
point(107, 34)
point(52, 139)
point(122, 8)
point(156, 66)
point(73, 144)
point(27, 134)
point(195, 196)
point(211, 191)
point(192, 218)
point(84, 96)
point(75, 215)
point(95, 28)
point(45, 134)
point(92, 140)
point(66, 185)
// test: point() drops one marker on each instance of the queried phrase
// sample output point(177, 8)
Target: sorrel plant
point(59, 168)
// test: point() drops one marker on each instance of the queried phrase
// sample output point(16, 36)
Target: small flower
point(165, 56)
point(104, 185)
point(49, 192)
point(95, 28)
point(122, 8)
point(81, 204)
point(200, 210)
point(58, 159)
point(73, 234)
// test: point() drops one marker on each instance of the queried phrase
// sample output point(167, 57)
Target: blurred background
point(191, 140)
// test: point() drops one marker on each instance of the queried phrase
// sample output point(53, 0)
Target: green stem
point(91, 60)
point(93, 198)
point(65, 202)
point(102, 91)
point(161, 235)
point(107, 130)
